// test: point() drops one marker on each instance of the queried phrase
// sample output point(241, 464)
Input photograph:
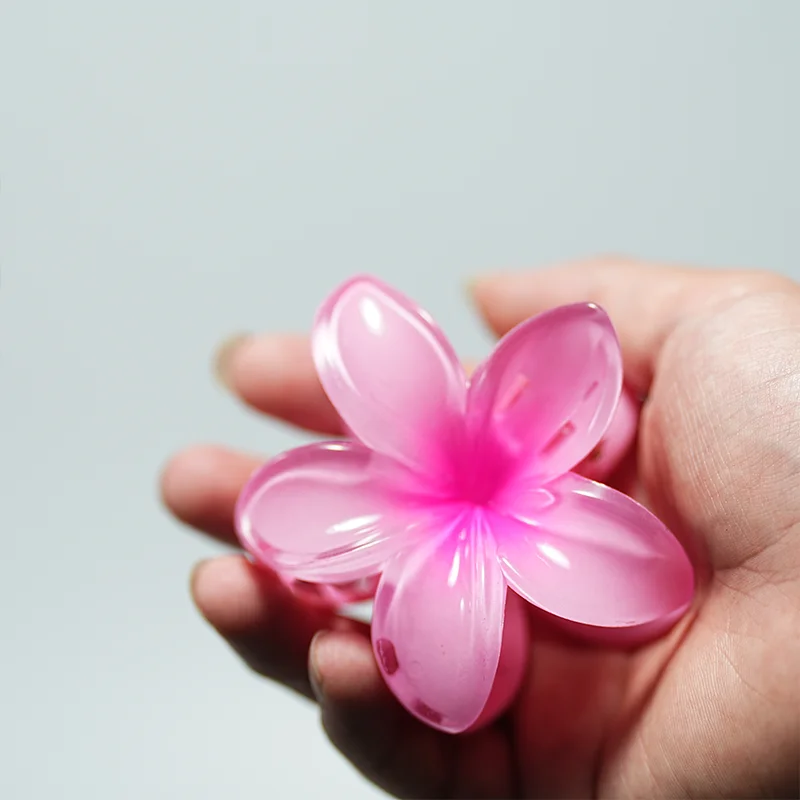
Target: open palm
point(712, 709)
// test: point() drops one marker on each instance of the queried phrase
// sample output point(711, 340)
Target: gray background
point(173, 172)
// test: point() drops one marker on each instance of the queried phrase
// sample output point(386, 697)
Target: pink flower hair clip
point(452, 490)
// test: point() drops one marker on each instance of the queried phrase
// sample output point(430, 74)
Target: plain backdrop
point(174, 172)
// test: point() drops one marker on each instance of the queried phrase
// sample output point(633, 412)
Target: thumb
point(644, 301)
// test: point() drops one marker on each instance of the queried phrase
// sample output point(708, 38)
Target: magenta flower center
point(475, 472)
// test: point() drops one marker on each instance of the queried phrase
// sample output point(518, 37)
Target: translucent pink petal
point(390, 372)
point(591, 555)
point(325, 513)
point(437, 624)
point(548, 391)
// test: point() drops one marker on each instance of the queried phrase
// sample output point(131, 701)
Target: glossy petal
point(326, 513)
point(548, 391)
point(390, 372)
point(593, 556)
point(437, 623)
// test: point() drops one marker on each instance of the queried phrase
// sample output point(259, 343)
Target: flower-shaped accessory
point(452, 489)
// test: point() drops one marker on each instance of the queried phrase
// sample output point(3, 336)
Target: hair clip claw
point(451, 491)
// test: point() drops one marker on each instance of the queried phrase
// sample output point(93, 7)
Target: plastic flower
point(453, 490)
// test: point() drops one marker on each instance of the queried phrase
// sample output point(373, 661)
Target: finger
point(642, 301)
point(275, 374)
point(264, 622)
point(389, 746)
point(573, 691)
point(645, 301)
point(367, 724)
point(200, 486)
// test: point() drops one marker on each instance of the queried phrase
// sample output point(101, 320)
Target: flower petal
point(437, 623)
point(326, 513)
point(591, 555)
point(390, 372)
point(548, 391)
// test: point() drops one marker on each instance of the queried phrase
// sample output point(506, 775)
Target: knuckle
point(750, 282)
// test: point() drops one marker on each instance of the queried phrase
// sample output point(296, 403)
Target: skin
point(710, 710)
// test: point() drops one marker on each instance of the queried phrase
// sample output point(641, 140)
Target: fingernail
point(223, 359)
point(471, 284)
point(314, 674)
point(195, 574)
point(478, 285)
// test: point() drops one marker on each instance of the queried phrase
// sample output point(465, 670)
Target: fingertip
point(178, 476)
point(481, 288)
point(508, 297)
point(365, 722)
point(225, 356)
point(342, 667)
point(200, 485)
point(211, 583)
point(268, 627)
point(314, 674)
point(196, 578)
point(229, 593)
point(504, 299)
point(243, 362)
point(474, 286)
point(275, 374)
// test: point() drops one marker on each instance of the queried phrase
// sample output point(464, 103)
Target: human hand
point(713, 708)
